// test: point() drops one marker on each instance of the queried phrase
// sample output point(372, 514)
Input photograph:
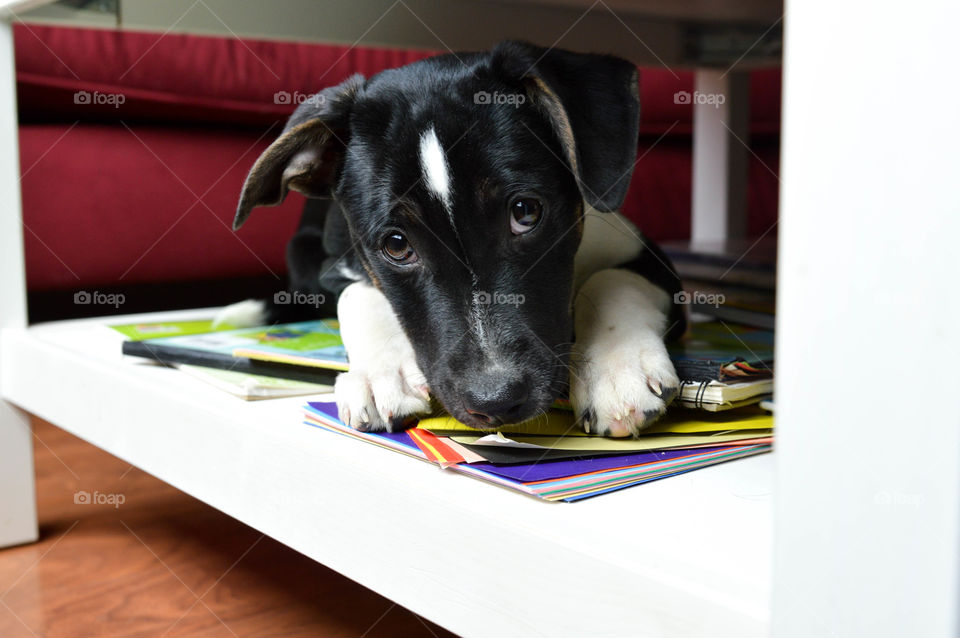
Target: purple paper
point(548, 470)
point(330, 409)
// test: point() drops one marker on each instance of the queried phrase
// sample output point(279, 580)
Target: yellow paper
point(561, 423)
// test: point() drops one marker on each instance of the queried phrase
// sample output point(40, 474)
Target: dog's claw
point(626, 394)
point(669, 394)
point(380, 400)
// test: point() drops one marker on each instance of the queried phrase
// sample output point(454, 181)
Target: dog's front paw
point(383, 397)
point(620, 392)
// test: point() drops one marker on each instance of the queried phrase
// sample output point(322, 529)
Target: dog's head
point(464, 180)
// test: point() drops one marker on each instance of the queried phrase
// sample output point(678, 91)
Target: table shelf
point(685, 556)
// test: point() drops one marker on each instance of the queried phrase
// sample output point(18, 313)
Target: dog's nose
point(500, 404)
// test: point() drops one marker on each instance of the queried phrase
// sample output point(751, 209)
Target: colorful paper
point(566, 480)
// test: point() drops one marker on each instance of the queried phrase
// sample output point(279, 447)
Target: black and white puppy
point(471, 233)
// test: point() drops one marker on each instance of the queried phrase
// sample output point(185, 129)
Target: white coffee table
point(865, 535)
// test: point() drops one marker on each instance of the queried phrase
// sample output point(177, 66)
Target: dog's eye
point(398, 249)
point(525, 213)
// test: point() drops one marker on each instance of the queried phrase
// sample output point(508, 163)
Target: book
point(318, 340)
point(159, 329)
point(310, 343)
point(247, 386)
point(732, 313)
point(175, 355)
point(720, 300)
point(253, 387)
point(733, 280)
point(747, 263)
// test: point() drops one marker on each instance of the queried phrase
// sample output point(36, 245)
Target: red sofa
point(137, 192)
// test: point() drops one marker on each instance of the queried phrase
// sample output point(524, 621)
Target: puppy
point(464, 210)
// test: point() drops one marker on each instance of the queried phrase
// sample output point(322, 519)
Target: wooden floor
point(164, 564)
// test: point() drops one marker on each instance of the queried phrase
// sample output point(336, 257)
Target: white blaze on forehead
point(479, 312)
point(436, 172)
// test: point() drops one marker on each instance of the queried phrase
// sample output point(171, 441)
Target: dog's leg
point(384, 384)
point(623, 379)
point(305, 265)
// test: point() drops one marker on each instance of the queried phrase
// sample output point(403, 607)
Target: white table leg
point(18, 510)
point(867, 527)
point(721, 113)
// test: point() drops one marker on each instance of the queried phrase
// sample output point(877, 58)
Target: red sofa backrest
point(143, 189)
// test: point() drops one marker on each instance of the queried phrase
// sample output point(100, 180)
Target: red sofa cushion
point(105, 205)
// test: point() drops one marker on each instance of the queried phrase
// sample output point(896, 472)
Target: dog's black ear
point(593, 104)
point(306, 157)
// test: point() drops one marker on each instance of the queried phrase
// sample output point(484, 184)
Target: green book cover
point(158, 329)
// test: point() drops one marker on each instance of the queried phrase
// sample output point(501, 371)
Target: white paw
point(383, 396)
point(619, 391)
point(384, 386)
point(249, 313)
